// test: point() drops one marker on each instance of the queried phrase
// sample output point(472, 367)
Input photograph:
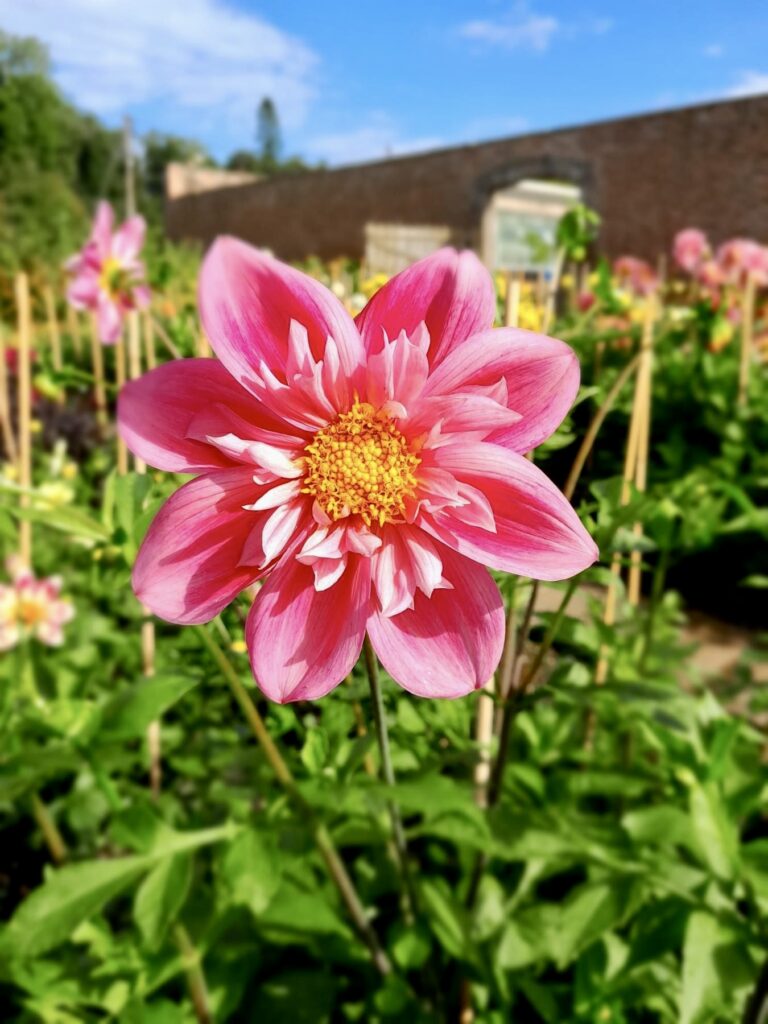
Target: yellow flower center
point(360, 464)
point(31, 610)
point(114, 277)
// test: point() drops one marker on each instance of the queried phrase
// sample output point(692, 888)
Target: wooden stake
point(484, 725)
point(149, 341)
point(99, 386)
point(645, 373)
point(9, 438)
point(73, 329)
point(122, 450)
point(24, 381)
point(747, 337)
point(154, 740)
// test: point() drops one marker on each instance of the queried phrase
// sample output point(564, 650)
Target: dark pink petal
point(302, 641)
point(541, 375)
point(189, 566)
point(450, 643)
point(451, 292)
point(165, 416)
point(537, 534)
point(247, 302)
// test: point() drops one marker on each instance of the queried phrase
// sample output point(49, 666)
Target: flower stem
point(193, 968)
point(382, 734)
point(53, 838)
point(325, 845)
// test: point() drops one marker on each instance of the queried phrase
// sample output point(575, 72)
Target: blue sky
point(360, 81)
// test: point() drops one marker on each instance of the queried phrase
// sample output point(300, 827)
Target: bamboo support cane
point(154, 741)
point(24, 383)
point(643, 443)
point(73, 329)
point(99, 386)
point(122, 449)
point(9, 437)
point(484, 724)
point(747, 338)
point(54, 333)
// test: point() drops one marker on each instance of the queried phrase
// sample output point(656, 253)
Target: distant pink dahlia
point(691, 248)
point(636, 275)
point(368, 470)
point(31, 607)
point(741, 258)
point(107, 274)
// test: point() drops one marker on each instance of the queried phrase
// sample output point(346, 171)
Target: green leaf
point(128, 713)
point(448, 919)
point(68, 896)
point(314, 753)
point(590, 911)
point(715, 834)
point(161, 897)
point(252, 870)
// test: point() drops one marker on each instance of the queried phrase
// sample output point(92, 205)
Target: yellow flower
point(370, 286)
point(238, 646)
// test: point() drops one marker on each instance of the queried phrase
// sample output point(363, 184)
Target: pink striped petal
point(448, 644)
point(83, 291)
point(189, 567)
point(109, 320)
point(537, 534)
point(541, 374)
point(248, 300)
point(128, 239)
point(302, 641)
point(451, 292)
point(165, 416)
point(101, 232)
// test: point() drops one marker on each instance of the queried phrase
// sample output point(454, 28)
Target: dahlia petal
point(304, 641)
point(248, 300)
point(537, 534)
point(188, 567)
point(83, 290)
point(280, 528)
point(397, 374)
point(160, 418)
point(474, 416)
point(448, 644)
point(278, 495)
point(450, 292)
point(542, 377)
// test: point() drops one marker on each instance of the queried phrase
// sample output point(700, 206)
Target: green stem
point(322, 838)
point(53, 838)
point(382, 734)
point(193, 968)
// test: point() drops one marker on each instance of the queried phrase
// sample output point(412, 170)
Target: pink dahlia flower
point(367, 470)
point(107, 274)
point(691, 248)
point(635, 274)
point(741, 258)
point(31, 607)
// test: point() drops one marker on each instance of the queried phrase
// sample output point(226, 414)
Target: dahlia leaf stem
point(388, 773)
point(322, 837)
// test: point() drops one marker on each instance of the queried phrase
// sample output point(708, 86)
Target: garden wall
point(648, 176)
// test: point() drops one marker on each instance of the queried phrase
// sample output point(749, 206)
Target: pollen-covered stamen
point(360, 464)
point(114, 279)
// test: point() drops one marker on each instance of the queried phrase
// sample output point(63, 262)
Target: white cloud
point(519, 29)
point(379, 137)
point(713, 50)
point(749, 83)
point(200, 59)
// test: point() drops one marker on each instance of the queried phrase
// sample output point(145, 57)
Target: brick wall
point(647, 176)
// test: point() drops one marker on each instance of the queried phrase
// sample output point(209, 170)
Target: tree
point(268, 132)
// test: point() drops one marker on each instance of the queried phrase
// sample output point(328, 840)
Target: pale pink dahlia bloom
point(741, 258)
point(691, 248)
point(367, 470)
point(636, 275)
point(31, 608)
point(107, 274)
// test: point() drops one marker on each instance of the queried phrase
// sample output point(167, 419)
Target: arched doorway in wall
point(521, 204)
